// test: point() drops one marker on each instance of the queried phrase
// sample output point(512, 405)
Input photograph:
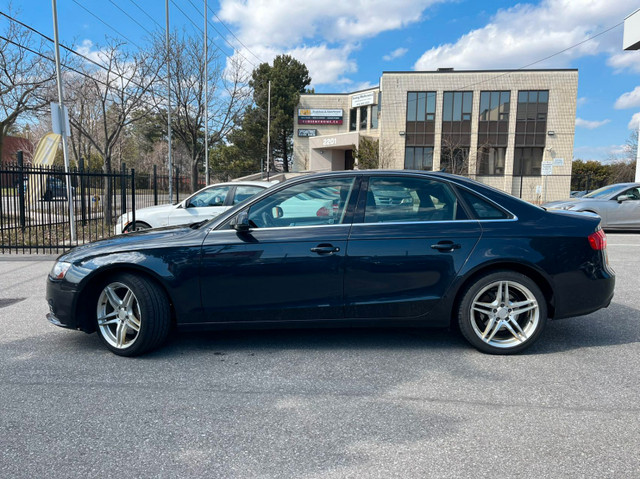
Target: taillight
point(598, 240)
point(322, 212)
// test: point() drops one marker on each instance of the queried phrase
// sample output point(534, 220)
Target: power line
point(133, 19)
point(65, 47)
point(187, 17)
point(148, 16)
point(70, 68)
point(234, 36)
point(105, 23)
point(227, 41)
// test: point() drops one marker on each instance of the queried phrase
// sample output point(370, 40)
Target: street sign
point(546, 168)
point(60, 126)
point(558, 162)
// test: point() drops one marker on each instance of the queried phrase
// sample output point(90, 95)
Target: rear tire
point(503, 312)
point(132, 314)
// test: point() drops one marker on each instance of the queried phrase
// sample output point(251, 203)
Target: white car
point(202, 205)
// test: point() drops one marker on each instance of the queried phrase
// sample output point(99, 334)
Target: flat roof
point(487, 71)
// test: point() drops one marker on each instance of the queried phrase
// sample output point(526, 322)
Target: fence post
point(133, 198)
point(20, 157)
point(83, 201)
point(123, 188)
point(177, 186)
point(155, 185)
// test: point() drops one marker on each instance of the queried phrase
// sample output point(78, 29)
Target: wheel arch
point(89, 290)
point(528, 270)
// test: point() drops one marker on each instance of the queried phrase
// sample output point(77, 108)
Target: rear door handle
point(325, 249)
point(446, 246)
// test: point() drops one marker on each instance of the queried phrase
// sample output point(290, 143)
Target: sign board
point(558, 162)
point(308, 116)
point(631, 35)
point(307, 132)
point(538, 189)
point(60, 126)
point(546, 168)
point(363, 99)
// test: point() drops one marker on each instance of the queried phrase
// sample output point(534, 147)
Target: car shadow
point(613, 326)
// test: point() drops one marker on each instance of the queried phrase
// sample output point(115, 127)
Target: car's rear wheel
point(132, 314)
point(502, 312)
point(140, 225)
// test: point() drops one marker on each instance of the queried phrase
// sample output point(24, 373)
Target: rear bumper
point(586, 296)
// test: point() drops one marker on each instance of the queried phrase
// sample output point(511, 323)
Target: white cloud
point(518, 36)
point(285, 23)
point(598, 153)
point(583, 100)
point(625, 61)
point(397, 53)
point(590, 125)
point(321, 34)
point(635, 121)
point(630, 99)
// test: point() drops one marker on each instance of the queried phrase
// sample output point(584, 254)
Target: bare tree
point(454, 155)
point(228, 96)
point(114, 96)
point(25, 77)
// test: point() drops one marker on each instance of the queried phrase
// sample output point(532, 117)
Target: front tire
point(140, 225)
point(502, 312)
point(132, 314)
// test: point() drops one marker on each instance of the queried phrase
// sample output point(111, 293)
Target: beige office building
point(512, 129)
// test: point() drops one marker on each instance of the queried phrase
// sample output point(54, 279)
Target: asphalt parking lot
point(330, 403)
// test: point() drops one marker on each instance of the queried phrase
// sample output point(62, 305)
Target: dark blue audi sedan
point(356, 248)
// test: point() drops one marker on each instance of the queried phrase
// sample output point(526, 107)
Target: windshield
point(602, 192)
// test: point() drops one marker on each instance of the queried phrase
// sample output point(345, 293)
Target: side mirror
point(622, 198)
point(240, 222)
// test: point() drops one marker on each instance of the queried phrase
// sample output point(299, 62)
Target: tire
point(132, 314)
point(140, 225)
point(488, 312)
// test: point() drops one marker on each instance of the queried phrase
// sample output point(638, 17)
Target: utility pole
point(63, 126)
point(268, 129)
point(166, 7)
point(206, 99)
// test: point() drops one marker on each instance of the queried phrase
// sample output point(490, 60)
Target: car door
point(409, 239)
point(203, 205)
point(285, 268)
point(624, 214)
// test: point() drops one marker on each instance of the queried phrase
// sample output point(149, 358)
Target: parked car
point(202, 205)
point(618, 205)
point(460, 253)
point(55, 188)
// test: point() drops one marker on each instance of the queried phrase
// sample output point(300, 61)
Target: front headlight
point(59, 270)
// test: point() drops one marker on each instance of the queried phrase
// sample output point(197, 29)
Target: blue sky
point(348, 44)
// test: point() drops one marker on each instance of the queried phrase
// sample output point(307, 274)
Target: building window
point(374, 116)
point(491, 160)
point(418, 158)
point(363, 117)
point(527, 161)
point(493, 132)
point(420, 130)
point(353, 119)
point(455, 160)
point(456, 131)
point(531, 118)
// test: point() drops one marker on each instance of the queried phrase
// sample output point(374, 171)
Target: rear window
point(481, 208)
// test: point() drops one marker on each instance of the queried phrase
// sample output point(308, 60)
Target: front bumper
point(62, 304)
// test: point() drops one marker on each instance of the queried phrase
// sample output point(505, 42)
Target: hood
point(139, 240)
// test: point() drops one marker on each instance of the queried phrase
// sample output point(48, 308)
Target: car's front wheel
point(132, 314)
point(502, 312)
point(140, 225)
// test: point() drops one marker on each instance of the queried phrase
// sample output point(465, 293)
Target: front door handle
point(325, 249)
point(446, 246)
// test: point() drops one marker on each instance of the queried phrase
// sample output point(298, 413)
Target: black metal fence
point(35, 207)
